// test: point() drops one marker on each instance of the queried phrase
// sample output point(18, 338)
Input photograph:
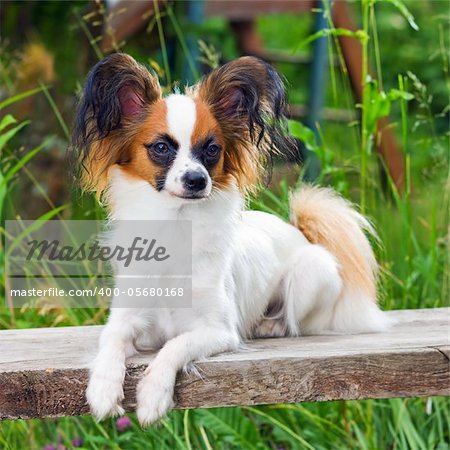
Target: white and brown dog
point(193, 156)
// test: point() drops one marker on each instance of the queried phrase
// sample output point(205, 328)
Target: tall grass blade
point(18, 97)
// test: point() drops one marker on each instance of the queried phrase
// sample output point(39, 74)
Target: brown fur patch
point(247, 98)
point(126, 147)
point(117, 98)
point(102, 155)
point(327, 219)
point(239, 162)
point(205, 123)
point(139, 165)
point(206, 126)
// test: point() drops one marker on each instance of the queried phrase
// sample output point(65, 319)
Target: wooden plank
point(125, 19)
point(43, 372)
point(249, 9)
point(331, 114)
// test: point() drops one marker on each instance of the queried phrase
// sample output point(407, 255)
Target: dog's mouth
point(189, 197)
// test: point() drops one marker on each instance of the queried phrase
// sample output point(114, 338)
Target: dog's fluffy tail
point(325, 218)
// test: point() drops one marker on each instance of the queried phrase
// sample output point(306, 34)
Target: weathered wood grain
point(43, 372)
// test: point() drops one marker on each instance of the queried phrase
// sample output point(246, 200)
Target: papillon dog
point(194, 156)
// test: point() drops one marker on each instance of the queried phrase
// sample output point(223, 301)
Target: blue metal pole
point(316, 87)
point(195, 15)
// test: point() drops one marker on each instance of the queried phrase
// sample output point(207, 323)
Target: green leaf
point(2, 194)
point(376, 104)
point(384, 105)
point(19, 97)
point(13, 170)
point(7, 121)
point(231, 426)
point(270, 419)
point(395, 94)
point(305, 134)
point(56, 111)
point(404, 11)
point(5, 137)
point(360, 35)
point(36, 225)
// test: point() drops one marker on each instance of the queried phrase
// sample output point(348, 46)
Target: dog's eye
point(158, 149)
point(161, 148)
point(212, 150)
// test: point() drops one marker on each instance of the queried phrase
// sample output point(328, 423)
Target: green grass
point(370, 424)
point(413, 86)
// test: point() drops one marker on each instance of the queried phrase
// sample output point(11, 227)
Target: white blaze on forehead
point(181, 115)
point(181, 118)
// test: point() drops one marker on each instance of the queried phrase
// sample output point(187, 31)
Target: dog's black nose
point(195, 181)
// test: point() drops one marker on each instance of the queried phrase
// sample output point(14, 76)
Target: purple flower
point(49, 447)
point(77, 442)
point(123, 423)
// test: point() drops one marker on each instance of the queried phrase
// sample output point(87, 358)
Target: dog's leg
point(155, 390)
point(105, 389)
point(310, 288)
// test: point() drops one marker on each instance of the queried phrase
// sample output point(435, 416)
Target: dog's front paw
point(104, 395)
point(154, 398)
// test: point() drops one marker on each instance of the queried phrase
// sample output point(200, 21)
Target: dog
point(194, 156)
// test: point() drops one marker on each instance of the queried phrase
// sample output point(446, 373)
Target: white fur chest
point(214, 225)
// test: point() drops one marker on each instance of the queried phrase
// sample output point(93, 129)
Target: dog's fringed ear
point(117, 90)
point(247, 98)
point(117, 94)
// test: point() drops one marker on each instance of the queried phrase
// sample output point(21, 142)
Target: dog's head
point(221, 132)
